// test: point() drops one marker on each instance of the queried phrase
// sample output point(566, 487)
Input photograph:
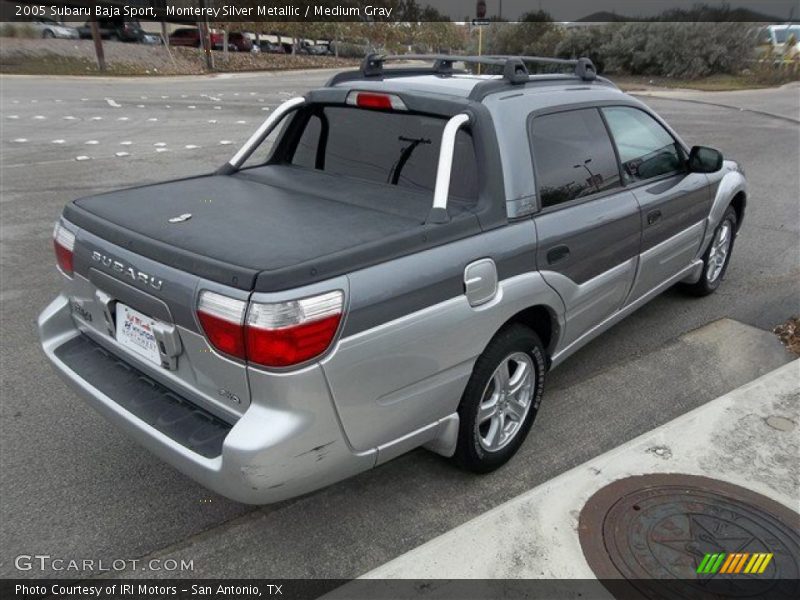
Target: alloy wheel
point(506, 401)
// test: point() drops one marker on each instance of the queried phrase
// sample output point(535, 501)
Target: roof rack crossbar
point(584, 67)
point(513, 67)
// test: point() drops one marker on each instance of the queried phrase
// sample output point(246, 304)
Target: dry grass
point(77, 57)
point(712, 83)
point(789, 334)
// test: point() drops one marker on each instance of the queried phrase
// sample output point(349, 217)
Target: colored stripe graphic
point(764, 564)
point(728, 563)
point(734, 563)
point(741, 562)
point(753, 562)
point(701, 568)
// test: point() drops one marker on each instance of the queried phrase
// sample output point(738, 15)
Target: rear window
point(388, 147)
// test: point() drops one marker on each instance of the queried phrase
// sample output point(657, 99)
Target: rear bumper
point(288, 441)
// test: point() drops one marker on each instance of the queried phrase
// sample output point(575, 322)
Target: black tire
point(707, 285)
point(47, 34)
point(471, 452)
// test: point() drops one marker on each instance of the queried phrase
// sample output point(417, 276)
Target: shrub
point(587, 42)
point(349, 50)
point(19, 31)
point(684, 50)
point(535, 35)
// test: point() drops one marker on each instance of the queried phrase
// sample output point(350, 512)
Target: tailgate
point(144, 313)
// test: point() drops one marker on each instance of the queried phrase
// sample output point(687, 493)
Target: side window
point(646, 149)
point(573, 156)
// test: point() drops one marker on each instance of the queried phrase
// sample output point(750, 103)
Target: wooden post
point(98, 45)
point(205, 35)
point(480, 46)
point(165, 41)
point(205, 32)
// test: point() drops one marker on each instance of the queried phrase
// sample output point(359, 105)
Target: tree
point(534, 35)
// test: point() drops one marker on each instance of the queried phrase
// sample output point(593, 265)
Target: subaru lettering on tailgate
point(126, 270)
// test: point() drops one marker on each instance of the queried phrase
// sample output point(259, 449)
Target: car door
point(588, 225)
point(673, 202)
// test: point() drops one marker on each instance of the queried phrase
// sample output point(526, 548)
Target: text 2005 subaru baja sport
point(399, 269)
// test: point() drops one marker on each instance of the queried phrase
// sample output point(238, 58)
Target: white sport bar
point(262, 132)
point(443, 172)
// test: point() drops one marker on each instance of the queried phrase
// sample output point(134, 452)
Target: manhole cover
point(651, 534)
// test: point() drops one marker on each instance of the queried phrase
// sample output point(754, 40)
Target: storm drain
point(684, 536)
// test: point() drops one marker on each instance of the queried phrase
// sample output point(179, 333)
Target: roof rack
point(513, 67)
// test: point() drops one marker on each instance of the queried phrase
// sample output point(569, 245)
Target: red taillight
point(289, 333)
point(222, 319)
point(64, 246)
point(293, 345)
point(376, 101)
point(273, 335)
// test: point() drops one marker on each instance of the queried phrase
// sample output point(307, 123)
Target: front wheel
point(717, 257)
point(501, 400)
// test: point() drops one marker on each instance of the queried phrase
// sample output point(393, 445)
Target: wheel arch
point(739, 203)
point(542, 319)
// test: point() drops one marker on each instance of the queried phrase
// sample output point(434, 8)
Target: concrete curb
point(733, 438)
point(674, 97)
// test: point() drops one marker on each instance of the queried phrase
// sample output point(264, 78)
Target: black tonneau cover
point(269, 228)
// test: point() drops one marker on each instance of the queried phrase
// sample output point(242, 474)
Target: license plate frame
point(135, 331)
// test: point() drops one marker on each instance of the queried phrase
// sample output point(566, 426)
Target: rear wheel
point(717, 257)
point(47, 34)
point(501, 399)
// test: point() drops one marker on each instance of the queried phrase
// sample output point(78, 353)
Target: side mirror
point(703, 159)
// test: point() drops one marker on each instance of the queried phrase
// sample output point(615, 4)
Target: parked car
point(271, 48)
point(783, 40)
point(43, 27)
point(313, 49)
point(152, 39)
point(115, 29)
point(239, 42)
point(402, 269)
point(190, 36)
point(319, 50)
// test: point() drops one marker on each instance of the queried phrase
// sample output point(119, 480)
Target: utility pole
point(480, 21)
point(205, 34)
point(98, 45)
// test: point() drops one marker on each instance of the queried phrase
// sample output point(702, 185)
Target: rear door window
point(572, 155)
point(388, 147)
point(646, 150)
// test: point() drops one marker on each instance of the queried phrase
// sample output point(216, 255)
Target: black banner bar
point(396, 11)
point(732, 586)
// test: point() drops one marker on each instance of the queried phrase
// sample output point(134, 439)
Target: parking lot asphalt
point(72, 486)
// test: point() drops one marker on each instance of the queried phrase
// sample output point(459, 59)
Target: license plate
point(135, 332)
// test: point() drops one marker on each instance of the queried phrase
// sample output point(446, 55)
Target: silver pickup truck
point(392, 261)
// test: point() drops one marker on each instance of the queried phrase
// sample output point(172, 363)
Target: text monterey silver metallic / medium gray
point(392, 261)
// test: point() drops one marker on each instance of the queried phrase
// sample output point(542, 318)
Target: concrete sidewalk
point(748, 437)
